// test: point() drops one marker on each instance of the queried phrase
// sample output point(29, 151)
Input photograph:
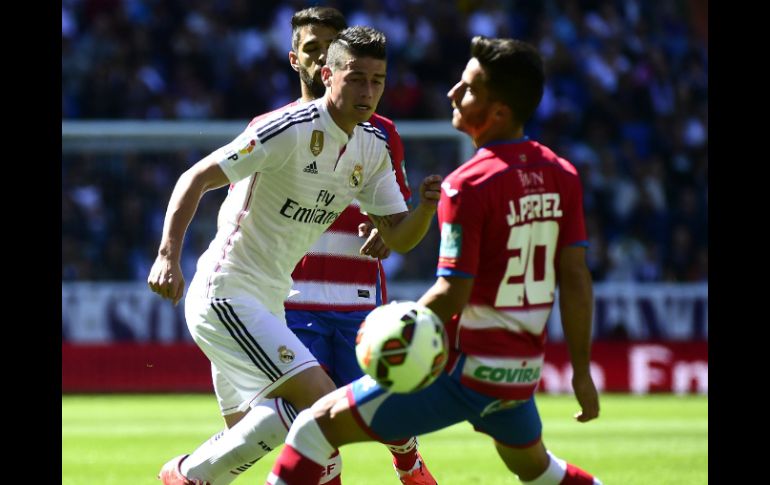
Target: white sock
point(552, 475)
point(307, 438)
point(261, 430)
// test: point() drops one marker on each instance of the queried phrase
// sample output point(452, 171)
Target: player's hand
point(430, 190)
point(166, 279)
point(587, 396)
point(374, 245)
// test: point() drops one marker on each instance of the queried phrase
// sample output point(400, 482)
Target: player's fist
point(430, 190)
point(374, 245)
point(586, 395)
point(166, 279)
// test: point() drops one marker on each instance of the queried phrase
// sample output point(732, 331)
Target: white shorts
point(251, 350)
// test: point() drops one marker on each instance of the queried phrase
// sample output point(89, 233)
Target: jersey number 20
point(535, 244)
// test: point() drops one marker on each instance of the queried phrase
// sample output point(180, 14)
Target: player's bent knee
point(305, 388)
point(335, 419)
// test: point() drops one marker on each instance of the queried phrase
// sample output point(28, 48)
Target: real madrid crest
point(357, 176)
point(285, 354)
point(317, 142)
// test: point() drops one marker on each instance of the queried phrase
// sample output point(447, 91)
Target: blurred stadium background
point(151, 86)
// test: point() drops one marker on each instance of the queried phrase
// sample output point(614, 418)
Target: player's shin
point(222, 459)
point(303, 460)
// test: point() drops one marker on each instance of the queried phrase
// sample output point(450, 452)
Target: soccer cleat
point(418, 475)
point(170, 474)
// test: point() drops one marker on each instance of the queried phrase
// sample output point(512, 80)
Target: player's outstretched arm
point(401, 232)
point(166, 278)
point(576, 305)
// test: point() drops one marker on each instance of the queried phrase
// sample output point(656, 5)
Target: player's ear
point(294, 60)
point(502, 112)
point(326, 76)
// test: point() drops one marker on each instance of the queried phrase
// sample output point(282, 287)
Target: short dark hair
point(328, 16)
point(356, 41)
point(514, 73)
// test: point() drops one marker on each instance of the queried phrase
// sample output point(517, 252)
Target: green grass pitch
point(660, 439)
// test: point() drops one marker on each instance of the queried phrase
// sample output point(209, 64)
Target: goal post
point(113, 136)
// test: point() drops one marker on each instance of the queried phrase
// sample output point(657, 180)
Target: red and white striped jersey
point(333, 276)
point(504, 216)
point(293, 172)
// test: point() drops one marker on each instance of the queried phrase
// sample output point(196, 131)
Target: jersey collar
point(337, 133)
point(505, 142)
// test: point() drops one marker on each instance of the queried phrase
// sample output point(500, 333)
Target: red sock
point(404, 461)
point(576, 476)
point(294, 468)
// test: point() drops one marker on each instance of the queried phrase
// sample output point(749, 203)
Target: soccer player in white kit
point(293, 172)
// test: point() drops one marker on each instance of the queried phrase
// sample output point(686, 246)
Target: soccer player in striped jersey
point(512, 228)
point(272, 215)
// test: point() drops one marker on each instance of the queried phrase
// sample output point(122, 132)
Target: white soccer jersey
point(293, 172)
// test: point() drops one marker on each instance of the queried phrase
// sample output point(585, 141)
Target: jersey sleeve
point(381, 195)
point(396, 147)
point(573, 226)
point(260, 148)
point(461, 223)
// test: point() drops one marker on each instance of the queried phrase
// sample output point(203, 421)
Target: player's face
point(313, 43)
point(357, 88)
point(470, 100)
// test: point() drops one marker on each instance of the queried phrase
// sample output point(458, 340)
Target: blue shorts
point(389, 417)
point(331, 338)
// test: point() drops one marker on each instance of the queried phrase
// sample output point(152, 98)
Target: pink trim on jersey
point(286, 421)
point(229, 241)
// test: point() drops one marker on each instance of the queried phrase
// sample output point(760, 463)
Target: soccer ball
point(402, 345)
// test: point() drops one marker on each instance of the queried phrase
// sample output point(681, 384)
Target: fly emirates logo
point(318, 214)
point(534, 206)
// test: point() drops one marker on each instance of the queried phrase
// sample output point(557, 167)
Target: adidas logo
point(311, 168)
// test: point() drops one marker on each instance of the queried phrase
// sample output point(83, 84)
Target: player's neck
point(346, 125)
point(497, 134)
point(307, 95)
